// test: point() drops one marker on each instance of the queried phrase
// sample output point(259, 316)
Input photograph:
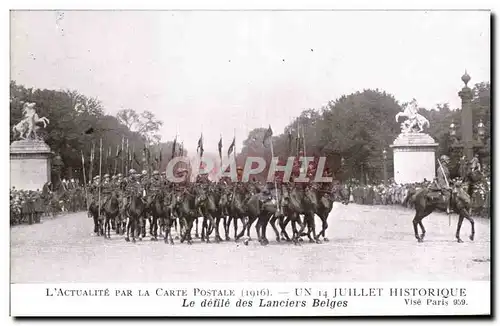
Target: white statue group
point(415, 122)
point(27, 127)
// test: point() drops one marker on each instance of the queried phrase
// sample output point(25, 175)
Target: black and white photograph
point(250, 162)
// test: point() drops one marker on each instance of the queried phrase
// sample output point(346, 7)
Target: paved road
point(367, 243)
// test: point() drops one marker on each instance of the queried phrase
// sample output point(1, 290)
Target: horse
point(135, 211)
point(187, 212)
point(205, 203)
point(94, 213)
point(459, 203)
point(304, 201)
point(225, 194)
point(340, 193)
point(111, 210)
point(157, 209)
point(168, 219)
point(265, 212)
point(238, 211)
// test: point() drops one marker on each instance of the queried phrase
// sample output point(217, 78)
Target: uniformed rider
point(441, 183)
point(132, 187)
point(474, 164)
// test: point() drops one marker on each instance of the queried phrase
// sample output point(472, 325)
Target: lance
point(116, 157)
point(92, 155)
point(108, 164)
point(304, 140)
point(278, 204)
point(85, 181)
point(127, 161)
point(122, 166)
point(100, 178)
point(234, 155)
point(448, 185)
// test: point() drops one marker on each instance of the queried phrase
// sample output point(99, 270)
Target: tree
point(145, 124)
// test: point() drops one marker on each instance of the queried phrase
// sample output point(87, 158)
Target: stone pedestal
point(414, 158)
point(29, 164)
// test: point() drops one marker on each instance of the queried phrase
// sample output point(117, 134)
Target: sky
point(228, 72)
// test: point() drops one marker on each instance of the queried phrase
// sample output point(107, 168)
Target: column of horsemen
point(127, 203)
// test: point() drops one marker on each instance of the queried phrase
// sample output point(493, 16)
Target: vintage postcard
point(250, 163)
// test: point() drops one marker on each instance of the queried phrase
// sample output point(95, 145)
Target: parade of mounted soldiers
point(129, 188)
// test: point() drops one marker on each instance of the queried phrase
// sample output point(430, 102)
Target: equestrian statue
point(27, 128)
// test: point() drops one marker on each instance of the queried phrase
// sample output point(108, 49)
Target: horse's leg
point(183, 228)
point(273, 225)
point(313, 228)
point(226, 220)
point(422, 236)
point(417, 220)
point(168, 231)
point(197, 235)
point(258, 229)
point(235, 226)
point(204, 229)
point(189, 229)
point(461, 216)
point(127, 229)
point(323, 227)
point(245, 221)
point(264, 227)
point(96, 224)
point(152, 228)
point(217, 233)
point(251, 220)
point(283, 223)
point(473, 232)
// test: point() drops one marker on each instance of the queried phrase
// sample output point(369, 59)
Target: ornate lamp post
point(467, 142)
point(384, 156)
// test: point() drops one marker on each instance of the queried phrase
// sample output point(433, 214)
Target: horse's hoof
point(311, 241)
point(172, 242)
point(278, 239)
point(127, 239)
point(326, 240)
point(228, 239)
point(197, 236)
point(318, 241)
point(176, 237)
point(263, 242)
point(189, 242)
point(133, 240)
point(301, 240)
point(471, 237)
point(245, 242)
point(459, 240)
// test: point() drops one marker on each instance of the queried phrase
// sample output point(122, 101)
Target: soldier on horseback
point(106, 190)
point(474, 164)
point(441, 183)
point(131, 187)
